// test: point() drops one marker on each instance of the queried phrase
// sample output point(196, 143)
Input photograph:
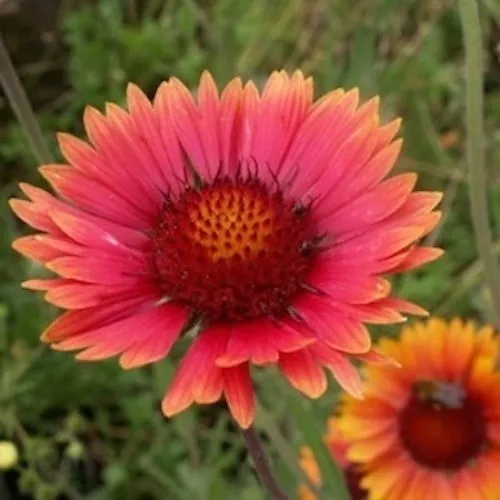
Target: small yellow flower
point(75, 450)
point(8, 455)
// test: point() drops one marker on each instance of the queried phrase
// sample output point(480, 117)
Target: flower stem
point(262, 465)
point(469, 15)
point(265, 421)
point(21, 106)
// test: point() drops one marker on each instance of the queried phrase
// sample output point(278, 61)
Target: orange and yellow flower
point(431, 429)
point(263, 222)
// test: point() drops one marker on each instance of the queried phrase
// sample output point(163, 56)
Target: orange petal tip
point(24, 186)
point(170, 408)
point(135, 94)
point(127, 365)
point(57, 346)
point(397, 145)
point(244, 421)
point(396, 123)
point(90, 115)
point(131, 362)
point(438, 196)
point(206, 75)
point(47, 171)
point(13, 202)
point(89, 112)
point(45, 337)
point(31, 285)
point(416, 310)
point(133, 87)
point(438, 252)
point(63, 136)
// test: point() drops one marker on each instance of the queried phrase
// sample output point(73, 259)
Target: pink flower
point(261, 220)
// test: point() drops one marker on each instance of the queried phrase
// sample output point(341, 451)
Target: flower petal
point(239, 394)
point(198, 377)
point(302, 371)
point(330, 325)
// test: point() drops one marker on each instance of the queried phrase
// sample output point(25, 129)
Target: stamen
point(234, 249)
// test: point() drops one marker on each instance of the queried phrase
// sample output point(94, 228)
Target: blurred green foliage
point(95, 432)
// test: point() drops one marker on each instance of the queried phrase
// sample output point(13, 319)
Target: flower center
point(233, 249)
point(353, 482)
point(441, 426)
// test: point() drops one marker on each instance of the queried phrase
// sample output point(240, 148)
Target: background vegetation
point(94, 432)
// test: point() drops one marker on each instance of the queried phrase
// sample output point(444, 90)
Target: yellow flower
point(8, 455)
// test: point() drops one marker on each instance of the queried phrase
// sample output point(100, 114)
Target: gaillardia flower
point(262, 219)
point(338, 447)
point(429, 430)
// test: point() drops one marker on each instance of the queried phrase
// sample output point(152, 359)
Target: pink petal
point(185, 120)
point(195, 372)
point(208, 110)
point(88, 233)
point(75, 322)
point(75, 295)
point(156, 346)
point(303, 372)
point(418, 257)
point(371, 207)
point(330, 183)
point(376, 357)
point(375, 313)
point(249, 342)
point(282, 108)
point(239, 394)
point(124, 153)
point(345, 284)
point(33, 248)
point(320, 136)
point(29, 213)
point(146, 125)
point(61, 244)
point(249, 117)
point(89, 162)
point(48, 204)
point(338, 363)
point(174, 155)
point(117, 337)
point(403, 306)
point(43, 285)
point(101, 268)
point(372, 171)
point(94, 197)
point(330, 325)
point(379, 244)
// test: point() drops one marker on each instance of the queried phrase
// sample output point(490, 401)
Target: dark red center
point(442, 426)
point(353, 482)
point(233, 249)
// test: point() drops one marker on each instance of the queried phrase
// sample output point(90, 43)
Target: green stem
point(469, 15)
point(262, 465)
point(287, 454)
point(21, 106)
point(332, 477)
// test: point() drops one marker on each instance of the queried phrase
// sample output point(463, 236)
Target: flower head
point(9, 455)
point(430, 429)
point(261, 219)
